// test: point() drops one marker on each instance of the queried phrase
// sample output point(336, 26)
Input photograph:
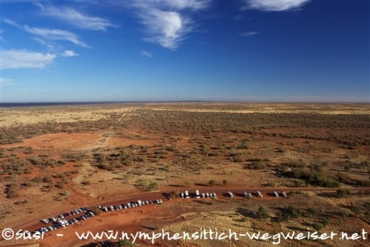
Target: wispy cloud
point(174, 4)
point(145, 53)
point(16, 59)
point(1, 36)
point(5, 81)
point(166, 28)
point(69, 53)
point(274, 5)
point(48, 34)
point(191, 4)
point(55, 34)
point(11, 22)
point(164, 20)
point(50, 45)
point(75, 18)
point(247, 34)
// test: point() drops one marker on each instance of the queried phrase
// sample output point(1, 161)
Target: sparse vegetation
point(212, 182)
point(185, 145)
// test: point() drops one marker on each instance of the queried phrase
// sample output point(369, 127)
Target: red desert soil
point(117, 141)
point(59, 141)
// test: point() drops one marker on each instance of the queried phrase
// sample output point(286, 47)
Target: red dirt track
point(132, 216)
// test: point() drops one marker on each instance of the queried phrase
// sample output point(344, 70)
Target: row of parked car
point(250, 195)
point(60, 221)
point(63, 223)
point(138, 203)
point(282, 194)
point(229, 194)
point(63, 215)
point(259, 194)
point(198, 195)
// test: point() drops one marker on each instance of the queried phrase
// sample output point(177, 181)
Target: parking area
point(75, 216)
point(82, 214)
point(229, 194)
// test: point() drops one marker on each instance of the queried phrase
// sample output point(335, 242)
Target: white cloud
point(38, 5)
point(11, 22)
point(16, 59)
point(166, 28)
point(183, 4)
point(145, 53)
point(50, 45)
point(76, 18)
point(69, 53)
point(55, 34)
point(5, 81)
point(164, 20)
point(274, 5)
point(247, 34)
point(48, 34)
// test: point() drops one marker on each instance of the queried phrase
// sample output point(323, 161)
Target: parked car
point(45, 221)
point(197, 195)
point(259, 194)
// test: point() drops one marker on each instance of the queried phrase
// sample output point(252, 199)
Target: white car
point(45, 221)
point(259, 194)
point(197, 195)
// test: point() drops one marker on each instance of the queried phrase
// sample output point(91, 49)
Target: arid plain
point(58, 158)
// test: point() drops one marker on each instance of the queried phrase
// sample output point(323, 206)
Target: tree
point(318, 226)
point(212, 182)
point(343, 193)
point(188, 183)
point(12, 191)
point(122, 242)
point(313, 211)
point(262, 212)
point(152, 186)
point(224, 182)
point(254, 225)
point(95, 210)
point(325, 222)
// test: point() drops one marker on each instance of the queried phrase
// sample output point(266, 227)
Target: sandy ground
point(24, 116)
point(77, 141)
point(19, 116)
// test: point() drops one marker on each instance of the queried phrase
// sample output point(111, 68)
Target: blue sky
point(165, 50)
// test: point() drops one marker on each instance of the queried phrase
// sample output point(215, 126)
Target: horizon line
point(180, 101)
